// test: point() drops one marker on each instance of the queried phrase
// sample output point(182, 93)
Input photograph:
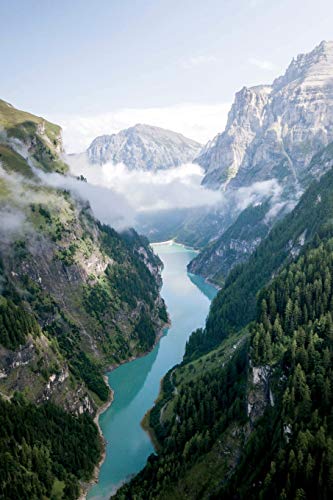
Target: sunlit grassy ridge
point(32, 136)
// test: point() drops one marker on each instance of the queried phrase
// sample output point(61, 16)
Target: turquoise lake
point(136, 384)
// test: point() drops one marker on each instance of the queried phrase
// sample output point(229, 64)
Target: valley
point(166, 307)
point(136, 384)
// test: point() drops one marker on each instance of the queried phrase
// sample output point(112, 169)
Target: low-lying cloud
point(12, 221)
point(178, 187)
point(117, 195)
point(107, 205)
point(256, 192)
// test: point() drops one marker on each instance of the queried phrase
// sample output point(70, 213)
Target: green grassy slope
point(34, 136)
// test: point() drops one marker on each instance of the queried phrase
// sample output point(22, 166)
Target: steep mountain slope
point(143, 147)
point(235, 305)
point(248, 412)
point(235, 245)
point(239, 241)
point(273, 131)
point(222, 157)
point(75, 297)
point(34, 139)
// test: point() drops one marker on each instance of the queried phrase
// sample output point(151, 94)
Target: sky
point(98, 66)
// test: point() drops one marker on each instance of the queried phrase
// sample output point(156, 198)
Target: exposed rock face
point(259, 393)
point(143, 147)
point(223, 156)
point(274, 131)
point(238, 242)
point(283, 131)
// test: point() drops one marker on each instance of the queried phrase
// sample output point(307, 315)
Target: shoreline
point(173, 242)
point(86, 486)
point(206, 280)
point(145, 422)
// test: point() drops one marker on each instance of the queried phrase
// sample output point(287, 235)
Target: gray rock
point(273, 131)
point(143, 147)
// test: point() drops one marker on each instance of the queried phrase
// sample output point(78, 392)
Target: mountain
point(75, 298)
point(273, 134)
point(280, 132)
point(234, 246)
point(273, 131)
point(239, 241)
point(143, 147)
point(34, 139)
point(247, 414)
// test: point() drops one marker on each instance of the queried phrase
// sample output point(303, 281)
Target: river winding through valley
point(136, 384)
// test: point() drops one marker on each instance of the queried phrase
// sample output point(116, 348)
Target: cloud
point(178, 187)
point(167, 190)
point(279, 208)
point(107, 205)
point(117, 195)
point(12, 208)
point(200, 122)
point(199, 60)
point(256, 193)
point(12, 221)
point(263, 64)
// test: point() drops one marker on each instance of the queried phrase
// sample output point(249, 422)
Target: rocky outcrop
point(222, 157)
point(281, 132)
point(259, 394)
point(143, 147)
point(234, 246)
point(274, 131)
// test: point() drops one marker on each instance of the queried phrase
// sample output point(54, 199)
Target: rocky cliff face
point(234, 246)
point(238, 242)
point(282, 131)
point(274, 131)
point(143, 147)
point(223, 156)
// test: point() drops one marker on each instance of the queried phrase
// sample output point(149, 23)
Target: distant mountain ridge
point(273, 131)
point(143, 147)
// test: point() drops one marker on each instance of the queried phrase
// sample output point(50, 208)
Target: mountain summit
point(274, 130)
point(143, 147)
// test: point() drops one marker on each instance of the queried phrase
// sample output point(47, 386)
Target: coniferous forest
point(255, 420)
point(44, 451)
